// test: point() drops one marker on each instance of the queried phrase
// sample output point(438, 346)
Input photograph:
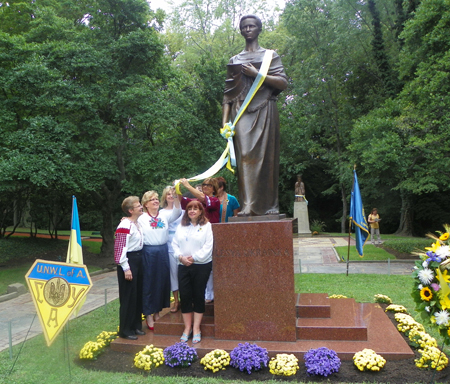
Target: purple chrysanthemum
point(179, 355)
point(249, 357)
point(322, 361)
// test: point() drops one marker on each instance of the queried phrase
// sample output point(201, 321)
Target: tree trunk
point(107, 200)
point(405, 227)
point(107, 231)
point(344, 211)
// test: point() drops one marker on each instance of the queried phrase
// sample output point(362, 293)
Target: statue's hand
point(249, 70)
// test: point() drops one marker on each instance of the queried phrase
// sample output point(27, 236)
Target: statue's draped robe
point(257, 138)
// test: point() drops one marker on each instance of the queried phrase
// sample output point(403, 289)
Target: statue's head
point(299, 177)
point(256, 19)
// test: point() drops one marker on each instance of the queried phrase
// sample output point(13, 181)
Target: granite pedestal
point(301, 214)
point(253, 281)
point(255, 301)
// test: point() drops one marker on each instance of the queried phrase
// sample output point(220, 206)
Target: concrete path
point(317, 255)
point(311, 255)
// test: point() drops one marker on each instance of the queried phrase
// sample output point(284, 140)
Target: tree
point(406, 139)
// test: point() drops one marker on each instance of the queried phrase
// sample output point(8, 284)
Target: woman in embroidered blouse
point(192, 245)
point(208, 198)
point(155, 224)
point(167, 201)
point(128, 257)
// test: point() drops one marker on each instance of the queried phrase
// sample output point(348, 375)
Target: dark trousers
point(130, 296)
point(192, 284)
point(156, 286)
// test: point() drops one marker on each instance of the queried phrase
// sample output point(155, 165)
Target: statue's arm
point(225, 114)
point(278, 82)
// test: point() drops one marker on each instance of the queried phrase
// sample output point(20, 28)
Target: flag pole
point(350, 223)
point(69, 259)
point(348, 248)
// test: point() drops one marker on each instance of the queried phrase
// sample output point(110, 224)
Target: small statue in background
point(299, 189)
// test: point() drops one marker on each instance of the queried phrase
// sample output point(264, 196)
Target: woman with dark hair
point(192, 245)
point(128, 257)
point(208, 198)
point(229, 206)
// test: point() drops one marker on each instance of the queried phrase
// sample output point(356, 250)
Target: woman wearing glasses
point(128, 257)
point(156, 263)
point(207, 197)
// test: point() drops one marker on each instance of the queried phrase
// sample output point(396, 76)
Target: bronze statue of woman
point(257, 138)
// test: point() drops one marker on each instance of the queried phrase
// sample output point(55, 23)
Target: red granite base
point(346, 327)
point(253, 281)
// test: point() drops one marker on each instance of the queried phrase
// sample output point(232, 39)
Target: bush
point(407, 245)
point(249, 357)
point(180, 355)
point(283, 365)
point(322, 361)
point(317, 226)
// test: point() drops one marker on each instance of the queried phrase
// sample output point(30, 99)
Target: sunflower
point(444, 236)
point(426, 294)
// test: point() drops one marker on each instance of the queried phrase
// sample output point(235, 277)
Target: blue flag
point(357, 217)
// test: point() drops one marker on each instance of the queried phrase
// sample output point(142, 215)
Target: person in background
point(208, 198)
point(167, 204)
point(192, 245)
point(155, 224)
point(229, 206)
point(128, 245)
point(374, 219)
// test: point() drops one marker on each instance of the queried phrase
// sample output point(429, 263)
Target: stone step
point(172, 323)
point(346, 322)
point(313, 305)
point(351, 328)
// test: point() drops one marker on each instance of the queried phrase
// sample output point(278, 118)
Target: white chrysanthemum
point(443, 251)
point(425, 264)
point(426, 276)
point(428, 309)
point(420, 287)
point(442, 317)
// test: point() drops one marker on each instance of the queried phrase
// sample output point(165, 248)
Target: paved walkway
point(311, 255)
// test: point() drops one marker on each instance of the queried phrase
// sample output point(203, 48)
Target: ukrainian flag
point(74, 252)
point(357, 217)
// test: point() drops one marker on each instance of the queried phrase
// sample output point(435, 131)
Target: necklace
point(153, 217)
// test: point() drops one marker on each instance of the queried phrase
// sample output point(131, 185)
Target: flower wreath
point(431, 283)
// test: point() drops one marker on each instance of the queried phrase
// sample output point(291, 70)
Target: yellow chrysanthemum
point(426, 294)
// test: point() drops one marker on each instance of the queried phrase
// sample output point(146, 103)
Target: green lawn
point(371, 252)
point(95, 234)
point(16, 248)
point(38, 363)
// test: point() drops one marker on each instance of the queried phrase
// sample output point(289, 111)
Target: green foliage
point(408, 245)
point(317, 226)
point(15, 248)
point(370, 253)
